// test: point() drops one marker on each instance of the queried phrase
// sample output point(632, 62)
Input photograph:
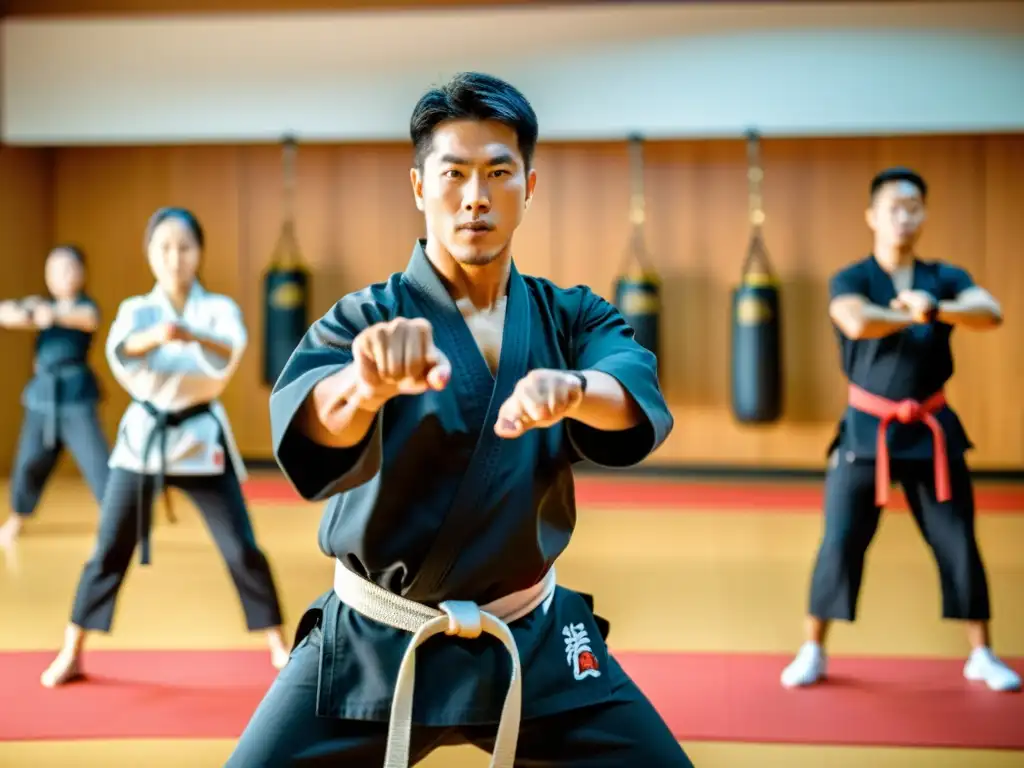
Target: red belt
point(905, 412)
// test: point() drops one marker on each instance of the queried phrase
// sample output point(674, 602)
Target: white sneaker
point(984, 666)
point(807, 668)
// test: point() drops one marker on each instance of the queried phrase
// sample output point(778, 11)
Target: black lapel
point(452, 333)
point(471, 377)
point(883, 290)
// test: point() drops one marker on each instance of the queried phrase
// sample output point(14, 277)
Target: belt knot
point(908, 411)
point(464, 618)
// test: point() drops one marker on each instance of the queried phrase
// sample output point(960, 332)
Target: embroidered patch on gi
point(578, 653)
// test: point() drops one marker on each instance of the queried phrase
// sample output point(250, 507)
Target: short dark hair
point(473, 96)
point(71, 250)
point(185, 216)
point(898, 173)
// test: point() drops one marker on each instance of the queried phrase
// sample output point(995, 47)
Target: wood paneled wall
point(356, 224)
point(26, 187)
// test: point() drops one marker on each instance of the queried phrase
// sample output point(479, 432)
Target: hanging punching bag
point(285, 285)
point(756, 327)
point(638, 288)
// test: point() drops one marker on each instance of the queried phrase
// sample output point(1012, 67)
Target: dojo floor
point(704, 585)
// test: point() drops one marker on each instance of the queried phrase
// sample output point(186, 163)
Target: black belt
point(50, 375)
point(164, 421)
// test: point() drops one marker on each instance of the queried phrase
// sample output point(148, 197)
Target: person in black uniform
point(441, 411)
point(894, 314)
point(61, 398)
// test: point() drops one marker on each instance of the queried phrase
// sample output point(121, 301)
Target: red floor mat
point(868, 702)
point(682, 496)
point(704, 697)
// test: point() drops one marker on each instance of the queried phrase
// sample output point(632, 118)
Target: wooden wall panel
point(25, 227)
point(356, 224)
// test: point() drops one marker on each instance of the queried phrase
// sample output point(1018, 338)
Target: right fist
point(10, 312)
point(398, 358)
point(166, 332)
point(43, 315)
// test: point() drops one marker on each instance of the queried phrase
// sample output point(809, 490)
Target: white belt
point(455, 617)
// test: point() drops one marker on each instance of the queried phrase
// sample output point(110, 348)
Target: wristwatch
point(583, 380)
point(932, 315)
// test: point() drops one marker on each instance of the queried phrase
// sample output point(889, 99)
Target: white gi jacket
point(176, 376)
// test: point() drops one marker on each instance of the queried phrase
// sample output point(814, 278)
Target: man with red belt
point(894, 315)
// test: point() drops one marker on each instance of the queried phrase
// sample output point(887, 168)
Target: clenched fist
point(918, 303)
point(397, 358)
point(541, 398)
point(11, 313)
point(167, 332)
point(43, 315)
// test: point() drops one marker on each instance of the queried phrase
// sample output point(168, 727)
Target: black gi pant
point(626, 732)
point(851, 519)
point(78, 428)
point(220, 501)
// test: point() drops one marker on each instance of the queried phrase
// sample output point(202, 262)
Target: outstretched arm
point(973, 308)
point(606, 405)
point(857, 318)
point(14, 316)
point(82, 316)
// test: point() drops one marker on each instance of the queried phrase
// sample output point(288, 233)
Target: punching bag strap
point(757, 269)
point(635, 264)
point(286, 281)
point(638, 288)
point(286, 252)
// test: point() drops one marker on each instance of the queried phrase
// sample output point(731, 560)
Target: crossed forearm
point(606, 405)
point(977, 312)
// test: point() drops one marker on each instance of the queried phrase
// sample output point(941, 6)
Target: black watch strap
point(583, 380)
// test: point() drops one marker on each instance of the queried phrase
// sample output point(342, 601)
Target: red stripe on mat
point(703, 697)
point(681, 496)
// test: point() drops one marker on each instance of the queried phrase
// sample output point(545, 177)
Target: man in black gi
point(441, 412)
point(894, 314)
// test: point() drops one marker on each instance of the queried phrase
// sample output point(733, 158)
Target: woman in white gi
point(174, 351)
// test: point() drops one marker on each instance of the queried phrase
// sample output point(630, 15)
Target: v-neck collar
point(422, 275)
point(882, 277)
point(159, 297)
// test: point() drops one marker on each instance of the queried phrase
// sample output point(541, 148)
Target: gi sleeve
point(132, 373)
point(316, 471)
point(846, 282)
point(954, 281)
point(228, 328)
point(603, 341)
point(87, 301)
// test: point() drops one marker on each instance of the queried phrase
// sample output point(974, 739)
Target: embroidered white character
point(578, 653)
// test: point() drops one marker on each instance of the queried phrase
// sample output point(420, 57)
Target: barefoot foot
point(278, 650)
point(63, 669)
point(9, 531)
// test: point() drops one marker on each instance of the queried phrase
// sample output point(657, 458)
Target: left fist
point(918, 303)
point(541, 398)
point(43, 315)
